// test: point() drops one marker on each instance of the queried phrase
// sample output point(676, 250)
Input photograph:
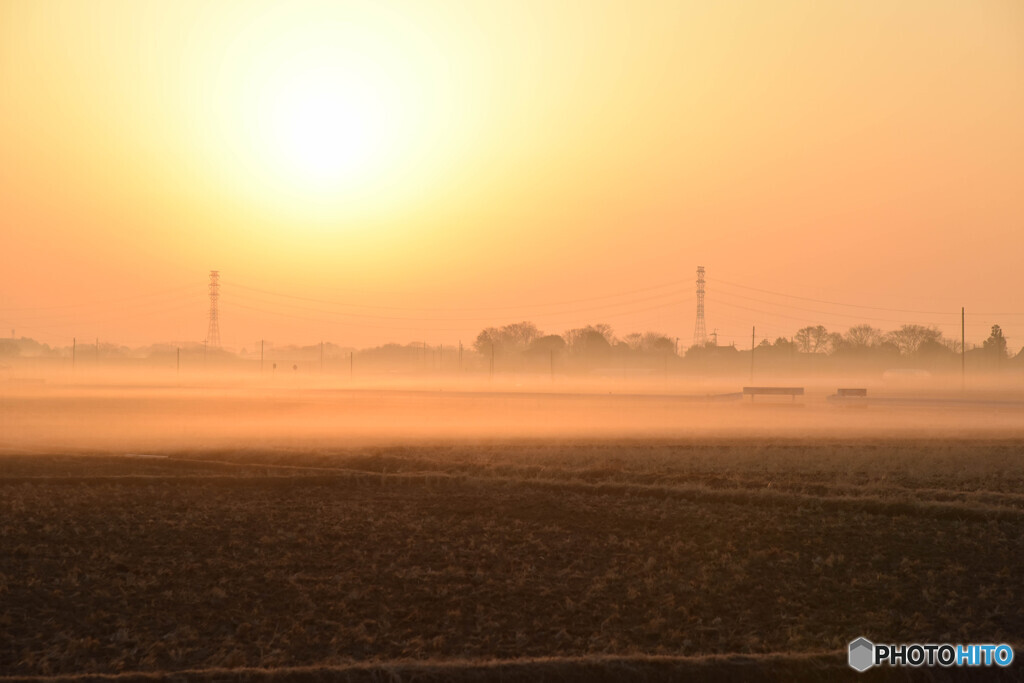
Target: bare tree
point(520, 334)
point(812, 339)
point(655, 342)
point(863, 336)
point(590, 339)
point(910, 337)
point(634, 341)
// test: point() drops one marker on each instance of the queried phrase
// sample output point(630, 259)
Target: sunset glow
point(473, 340)
point(406, 170)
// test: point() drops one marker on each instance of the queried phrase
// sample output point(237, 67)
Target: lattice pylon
point(213, 328)
point(700, 334)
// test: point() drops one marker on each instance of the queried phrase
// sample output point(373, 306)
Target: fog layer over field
point(136, 410)
point(210, 521)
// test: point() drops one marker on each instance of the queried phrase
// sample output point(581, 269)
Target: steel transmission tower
point(700, 334)
point(213, 330)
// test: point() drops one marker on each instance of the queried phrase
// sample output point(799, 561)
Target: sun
point(313, 115)
point(326, 123)
point(324, 119)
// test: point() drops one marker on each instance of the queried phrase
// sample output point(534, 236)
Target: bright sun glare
point(326, 125)
point(342, 112)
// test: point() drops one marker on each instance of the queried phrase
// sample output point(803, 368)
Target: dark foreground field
point(571, 560)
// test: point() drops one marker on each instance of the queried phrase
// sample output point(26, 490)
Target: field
point(570, 558)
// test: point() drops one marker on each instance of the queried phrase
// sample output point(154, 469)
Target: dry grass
point(504, 550)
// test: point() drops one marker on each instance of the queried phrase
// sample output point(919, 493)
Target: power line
point(76, 314)
point(102, 302)
point(801, 319)
point(570, 302)
point(335, 321)
point(851, 316)
point(77, 324)
point(477, 318)
point(832, 303)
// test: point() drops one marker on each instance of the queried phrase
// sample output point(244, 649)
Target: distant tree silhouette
point(590, 340)
point(781, 350)
point(910, 337)
point(654, 342)
point(510, 338)
point(785, 345)
point(634, 341)
point(996, 342)
point(488, 339)
point(935, 348)
point(520, 335)
point(812, 339)
point(547, 344)
point(862, 336)
point(649, 342)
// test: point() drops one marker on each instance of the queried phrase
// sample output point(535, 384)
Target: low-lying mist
point(140, 410)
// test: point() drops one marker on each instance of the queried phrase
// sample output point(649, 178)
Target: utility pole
point(752, 330)
point(963, 351)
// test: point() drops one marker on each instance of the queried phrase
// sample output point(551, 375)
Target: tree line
point(526, 338)
point(907, 340)
point(523, 345)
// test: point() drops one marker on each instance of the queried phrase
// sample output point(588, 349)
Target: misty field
point(612, 556)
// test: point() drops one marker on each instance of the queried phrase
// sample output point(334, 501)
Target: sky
point(372, 172)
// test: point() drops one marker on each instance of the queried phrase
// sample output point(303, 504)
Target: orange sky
point(418, 171)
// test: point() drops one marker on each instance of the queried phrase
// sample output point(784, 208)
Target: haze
point(513, 341)
point(368, 172)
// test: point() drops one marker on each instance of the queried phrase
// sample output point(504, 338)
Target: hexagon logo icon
point(862, 654)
